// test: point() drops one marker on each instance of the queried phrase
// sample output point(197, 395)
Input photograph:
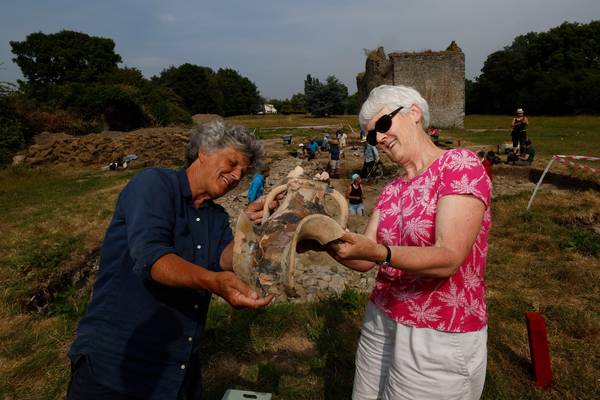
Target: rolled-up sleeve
point(147, 205)
point(226, 238)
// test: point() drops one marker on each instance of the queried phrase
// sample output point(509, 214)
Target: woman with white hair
point(425, 329)
point(168, 248)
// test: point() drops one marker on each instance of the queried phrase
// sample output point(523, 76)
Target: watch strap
point(388, 257)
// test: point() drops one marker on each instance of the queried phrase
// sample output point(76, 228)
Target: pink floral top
point(407, 218)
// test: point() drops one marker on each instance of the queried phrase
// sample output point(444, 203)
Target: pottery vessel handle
point(270, 197)
point(341, 200)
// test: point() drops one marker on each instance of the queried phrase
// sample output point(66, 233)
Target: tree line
point(320, 99)
point(73, 83)
point(553, 73)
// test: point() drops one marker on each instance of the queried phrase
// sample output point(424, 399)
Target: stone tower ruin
point(438, 75)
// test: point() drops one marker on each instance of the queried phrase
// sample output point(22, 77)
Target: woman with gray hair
point(424, 331)
point(166, 250)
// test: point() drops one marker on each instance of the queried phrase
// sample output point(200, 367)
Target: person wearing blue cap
point(355, 197)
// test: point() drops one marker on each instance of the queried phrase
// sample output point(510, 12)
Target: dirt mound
point(153, 146)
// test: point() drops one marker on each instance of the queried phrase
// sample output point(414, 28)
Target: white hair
point(217, 134)
point(392, 97)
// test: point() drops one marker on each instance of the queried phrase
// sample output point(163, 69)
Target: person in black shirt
point(166, 250)
point(519, 131)
point(355, 197)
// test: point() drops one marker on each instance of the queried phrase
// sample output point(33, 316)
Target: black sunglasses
point(382, 125)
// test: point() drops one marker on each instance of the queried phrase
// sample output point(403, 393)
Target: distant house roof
point(270, 109)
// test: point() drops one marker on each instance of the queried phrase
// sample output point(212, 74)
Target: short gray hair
point(392, 97)
point(218, 134)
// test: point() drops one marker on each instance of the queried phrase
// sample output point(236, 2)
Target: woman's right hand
point(356, 251)
point(238, 294)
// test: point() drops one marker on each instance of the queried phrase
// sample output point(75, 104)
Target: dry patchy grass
point(545, 260)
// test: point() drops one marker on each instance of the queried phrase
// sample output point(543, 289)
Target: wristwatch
point(388, 257)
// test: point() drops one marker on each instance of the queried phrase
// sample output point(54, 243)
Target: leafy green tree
point(554, 72)
point(352, 105)
point(14, 134)
point(324, 99)
point(278, 104)
point(65, 56)
point(197, 86)
point(295, 105)
point(161, 105)
point(313, 89)
point(240, 95)
point(298, 103)
point(470, 105)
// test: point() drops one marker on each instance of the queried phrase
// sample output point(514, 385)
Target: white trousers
point(395, 361)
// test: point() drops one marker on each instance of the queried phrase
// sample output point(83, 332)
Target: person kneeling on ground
point(302, 151)
point(525, 158)
point(355, 197)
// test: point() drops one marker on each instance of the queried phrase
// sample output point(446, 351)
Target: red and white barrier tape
point(569, 160)
point(565, 160)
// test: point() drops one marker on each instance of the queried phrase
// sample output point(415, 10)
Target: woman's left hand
point(254, 211)
point(353, 246)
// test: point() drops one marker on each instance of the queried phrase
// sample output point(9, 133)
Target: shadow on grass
point(563, 181)
point(337, 342)
point(292, 351)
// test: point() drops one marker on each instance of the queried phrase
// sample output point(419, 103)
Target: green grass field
point(546, 260)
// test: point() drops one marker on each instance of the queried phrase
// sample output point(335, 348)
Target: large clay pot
point(264, 256)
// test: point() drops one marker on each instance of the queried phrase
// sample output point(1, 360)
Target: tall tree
point(197, 86)
point(298, 103)
point(63, 57)
point(240, 95)
point(325, 99)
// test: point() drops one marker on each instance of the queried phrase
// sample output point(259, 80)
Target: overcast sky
point(276, 43)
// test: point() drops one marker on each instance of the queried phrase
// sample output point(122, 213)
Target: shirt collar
point(186, 192)
point(184, 184)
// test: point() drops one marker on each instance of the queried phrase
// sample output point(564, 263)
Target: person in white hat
point(519, 131)
point(302, 151)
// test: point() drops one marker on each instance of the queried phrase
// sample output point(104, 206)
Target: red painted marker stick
point(538, 346)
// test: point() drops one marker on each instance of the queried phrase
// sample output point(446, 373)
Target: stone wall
point(438, 75)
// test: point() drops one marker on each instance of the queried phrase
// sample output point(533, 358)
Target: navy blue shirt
point(140, 336)
point(334, 150)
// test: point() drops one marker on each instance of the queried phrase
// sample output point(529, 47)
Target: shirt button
point(195, 306)
point(197, 219)
point(199, 246)
point(190, 339)
point(182, 366)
